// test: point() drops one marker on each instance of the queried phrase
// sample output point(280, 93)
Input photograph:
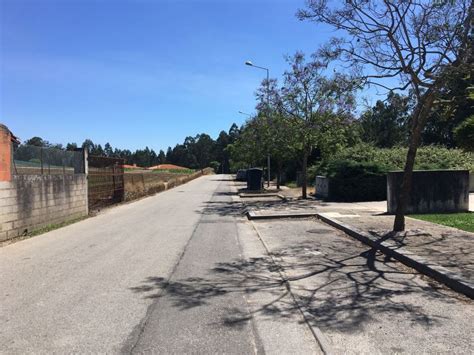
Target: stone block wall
point(29, 202)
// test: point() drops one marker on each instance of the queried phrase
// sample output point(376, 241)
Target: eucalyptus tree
point(399, 45)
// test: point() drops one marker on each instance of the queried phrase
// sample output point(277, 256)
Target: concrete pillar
point(6, 150)
point(86, 173)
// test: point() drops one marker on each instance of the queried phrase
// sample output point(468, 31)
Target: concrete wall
point(321, 186)
point(29, 202)
point(432, 191)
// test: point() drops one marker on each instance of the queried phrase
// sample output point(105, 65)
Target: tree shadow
point(225, 193)
point(340, 290)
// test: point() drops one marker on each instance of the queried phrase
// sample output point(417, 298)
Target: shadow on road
point(339, 290)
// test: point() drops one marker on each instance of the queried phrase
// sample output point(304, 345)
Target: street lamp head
point(245, 113)
point(248, 62)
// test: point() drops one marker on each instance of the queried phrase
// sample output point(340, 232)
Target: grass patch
point(51, 227)
point(464, 221)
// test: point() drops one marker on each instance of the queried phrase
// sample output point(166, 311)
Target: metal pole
point(268, 108)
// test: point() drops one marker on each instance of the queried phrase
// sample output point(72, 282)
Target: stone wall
point(29, 202)
point(432, 191)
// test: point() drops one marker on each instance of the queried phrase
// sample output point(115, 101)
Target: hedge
point(358, 173)
point(428, 157)
point(353, 181)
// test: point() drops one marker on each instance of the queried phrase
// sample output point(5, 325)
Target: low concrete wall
point(321, 186)
point(29, 202)
point(139, 185)
point(432, 191)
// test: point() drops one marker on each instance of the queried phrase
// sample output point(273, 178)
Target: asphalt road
point(184, 272)
point(120, 282)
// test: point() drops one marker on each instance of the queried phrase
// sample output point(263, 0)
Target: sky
point(139, 73)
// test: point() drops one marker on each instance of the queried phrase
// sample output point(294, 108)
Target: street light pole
point(249, 63)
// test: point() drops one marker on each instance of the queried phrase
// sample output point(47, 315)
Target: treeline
point(196, 152)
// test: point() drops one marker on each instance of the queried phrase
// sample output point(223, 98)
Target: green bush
point(428, 157)
point(341, 169)
point(358, 173)
point(356, 181)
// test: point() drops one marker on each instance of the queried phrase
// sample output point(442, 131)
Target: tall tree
point(453, 106)
point(315, 104)
point(419, 42)
point(203, 150)
point(71, 146)
point(385, 125)
point(161, 157)
point(88, 145)
point(37, 141)
point(108, 151)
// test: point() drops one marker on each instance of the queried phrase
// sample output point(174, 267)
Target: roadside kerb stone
point(252, 215)
point(434, 271)
point(259, 195)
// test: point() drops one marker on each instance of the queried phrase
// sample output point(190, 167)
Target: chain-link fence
point(32, 160)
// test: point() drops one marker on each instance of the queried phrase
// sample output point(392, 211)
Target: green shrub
point(358, 173)
point(428, 157)
point(356, 181)
point(348, 168)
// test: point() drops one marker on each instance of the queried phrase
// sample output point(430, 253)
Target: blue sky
point(140, 73)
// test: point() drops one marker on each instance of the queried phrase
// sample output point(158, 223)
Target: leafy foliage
point(385, 125)
point(353, 181)
point(429, 157)
point(464, 134)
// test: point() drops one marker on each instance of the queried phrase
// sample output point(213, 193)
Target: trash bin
point(254, 179)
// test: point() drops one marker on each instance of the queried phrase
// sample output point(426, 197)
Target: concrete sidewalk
point(358, 300)
point(442, 252)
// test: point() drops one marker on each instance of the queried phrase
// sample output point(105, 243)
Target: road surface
point(103, 284)
point(184, 272)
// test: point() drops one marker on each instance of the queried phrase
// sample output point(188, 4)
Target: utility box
point(254, 179)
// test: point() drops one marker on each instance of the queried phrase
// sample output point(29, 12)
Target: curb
point(253, 216)
point(257, 195)
point(414, 261)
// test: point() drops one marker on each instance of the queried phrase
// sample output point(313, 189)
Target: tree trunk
point(419, 121)
point(279, 169)
point(303, 175)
